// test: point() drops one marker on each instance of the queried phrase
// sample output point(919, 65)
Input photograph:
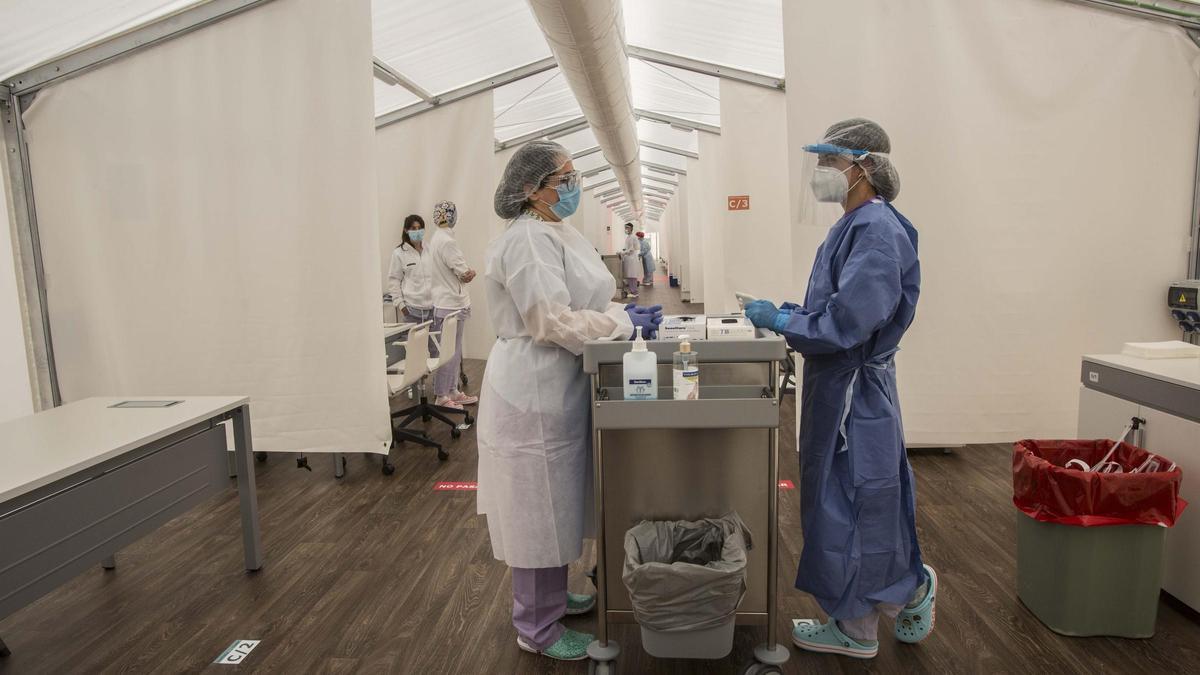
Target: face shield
point(826, 175)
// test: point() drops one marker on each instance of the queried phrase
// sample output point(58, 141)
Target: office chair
point(407, 374)
point(424, 410)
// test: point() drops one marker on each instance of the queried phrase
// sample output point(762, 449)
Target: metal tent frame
point(18, 91)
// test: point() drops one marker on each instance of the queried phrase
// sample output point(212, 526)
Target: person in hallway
point(408, 275)
point(631, 265)
point(861, 558)
point(647, 259)
point(548, 292)
point(450, 275)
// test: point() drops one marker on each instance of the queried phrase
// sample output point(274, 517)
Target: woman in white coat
point(548, 292)
point(408, 275)
point(631, 261)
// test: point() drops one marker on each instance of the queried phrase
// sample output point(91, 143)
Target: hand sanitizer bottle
point(686, 372)
point(640, 370)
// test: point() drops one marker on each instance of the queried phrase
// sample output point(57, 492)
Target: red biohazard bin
point(1089, 544)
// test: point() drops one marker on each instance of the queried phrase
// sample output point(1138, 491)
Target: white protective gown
point(631, 261)
point(549, 292)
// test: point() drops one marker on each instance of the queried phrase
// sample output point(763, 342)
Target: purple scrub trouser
point(539, 601)
point(631, 284)
point(445, 380)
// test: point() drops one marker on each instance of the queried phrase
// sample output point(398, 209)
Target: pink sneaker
point(463, 398)
point(447, 402)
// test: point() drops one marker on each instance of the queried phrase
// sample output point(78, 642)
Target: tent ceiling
point(533, 103)
point(445, 45)
point(35, 31)
point(747, 34)
point(673, 91)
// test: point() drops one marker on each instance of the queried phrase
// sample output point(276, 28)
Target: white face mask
point(831, 185)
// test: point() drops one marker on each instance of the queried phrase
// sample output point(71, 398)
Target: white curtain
point(444, 154)
point(1047, 156)
point(207, 214)
point(16, 395)
point(748, 250)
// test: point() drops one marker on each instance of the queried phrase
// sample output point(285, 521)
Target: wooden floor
point(375, 574)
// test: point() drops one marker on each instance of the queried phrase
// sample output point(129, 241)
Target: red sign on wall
point(455, 487)
point(739, 202)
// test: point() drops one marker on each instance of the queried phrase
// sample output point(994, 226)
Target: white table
point(1165, 394)
point(81, 481)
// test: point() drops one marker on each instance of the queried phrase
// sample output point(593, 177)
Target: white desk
point(81, 481)
point(1166, 394)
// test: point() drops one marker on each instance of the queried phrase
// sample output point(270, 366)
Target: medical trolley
point(688, 460)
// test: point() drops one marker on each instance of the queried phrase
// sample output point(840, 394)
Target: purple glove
point(647, 317)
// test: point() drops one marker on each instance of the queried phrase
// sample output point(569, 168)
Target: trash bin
point(1089, 544)
point(686, 580)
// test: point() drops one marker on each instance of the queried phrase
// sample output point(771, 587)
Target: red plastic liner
point(1047, 491)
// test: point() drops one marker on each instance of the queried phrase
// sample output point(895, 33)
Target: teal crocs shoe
point(579, 604)
point(572, 646)
point(914, 624)
point(827, 638)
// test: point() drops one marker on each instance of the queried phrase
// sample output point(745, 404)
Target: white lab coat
point(446, 267)
point(631, 261)
point(408, 278)
point(548, 293)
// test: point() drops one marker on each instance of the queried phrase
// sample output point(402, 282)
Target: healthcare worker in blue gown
point(861, 559)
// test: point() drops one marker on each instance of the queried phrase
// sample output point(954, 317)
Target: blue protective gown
point(857, 497)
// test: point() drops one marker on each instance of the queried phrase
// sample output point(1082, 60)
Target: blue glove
point(762, 313)
point(646, 317)
point(790, 307)
point(656, 309)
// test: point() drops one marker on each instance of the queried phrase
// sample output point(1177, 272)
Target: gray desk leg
point(109, 563)
point(339, 465)
point(251, 536)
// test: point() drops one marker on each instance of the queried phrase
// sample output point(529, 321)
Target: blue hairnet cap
point(866, 143)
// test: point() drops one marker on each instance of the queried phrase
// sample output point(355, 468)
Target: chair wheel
point(388, 468)
point(455, 432)
point(469, 420)
point(443, 455)
point(426, 418)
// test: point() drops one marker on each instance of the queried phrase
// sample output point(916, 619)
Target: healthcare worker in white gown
point(548, 293)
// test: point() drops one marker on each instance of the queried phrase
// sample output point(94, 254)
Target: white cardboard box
point(730, 327)
point(677, 325)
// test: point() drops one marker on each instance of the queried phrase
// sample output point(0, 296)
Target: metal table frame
point(88, 502)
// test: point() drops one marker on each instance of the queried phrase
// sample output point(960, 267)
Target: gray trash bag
point(684, 575)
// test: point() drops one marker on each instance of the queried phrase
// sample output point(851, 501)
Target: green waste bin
point(1085, 581)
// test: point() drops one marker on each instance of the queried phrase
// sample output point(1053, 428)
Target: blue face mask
point(568, 201)
point(415, 236)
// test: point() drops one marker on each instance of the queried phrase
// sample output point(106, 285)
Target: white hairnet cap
point(865, 142)
point(525, 173)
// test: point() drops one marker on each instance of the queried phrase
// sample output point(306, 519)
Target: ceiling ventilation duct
point(588, 41)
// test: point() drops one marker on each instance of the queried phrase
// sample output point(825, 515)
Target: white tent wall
point(706, 215)
point(16, 395)
point(1047, 156)
point(595, 217)
point(751, 249)
point(444, 154)
point(198, 238)
point(686, 221)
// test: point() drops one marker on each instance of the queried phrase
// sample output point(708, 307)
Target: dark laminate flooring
point(375, 574)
